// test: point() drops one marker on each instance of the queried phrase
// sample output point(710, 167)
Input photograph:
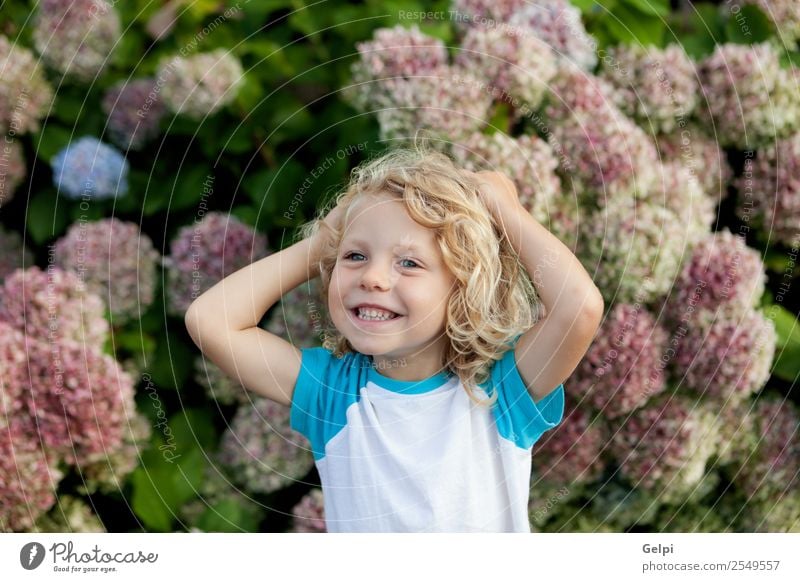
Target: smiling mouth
point(375, 319)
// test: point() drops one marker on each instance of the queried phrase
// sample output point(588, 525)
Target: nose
point(376, 276)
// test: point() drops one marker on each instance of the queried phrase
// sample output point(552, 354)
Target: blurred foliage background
point(152, 148)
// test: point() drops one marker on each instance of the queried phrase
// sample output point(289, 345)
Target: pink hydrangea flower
point(115, 261)
point(199, 85)
point(721, 270)
point(527, 159)
point(679, 191)
point(301, 316)
point(52, 305)
point(726, 353)
point(13, 361)
point(769, 191)
point(28, 481)
point(601, 150)
point(78, 400)
point(25, 94)
point(773, 468)
point(518, 66)
point(484, 13)
point(70, 514)
point(260, 451)
point(748, 98)
point(134, 109)
point(203, 254)
point(633, 249)
point(76, 37)
point(12, 170)
point(622, 369)
point(658, 87)
point(700, 155)
point(558, 23)
point(309, 513)
point(108, 473)
point(665, 446)
point(572, 453)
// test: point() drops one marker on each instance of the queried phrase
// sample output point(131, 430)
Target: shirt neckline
point(407, 386)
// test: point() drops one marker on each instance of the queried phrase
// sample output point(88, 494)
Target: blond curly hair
point(494, 300)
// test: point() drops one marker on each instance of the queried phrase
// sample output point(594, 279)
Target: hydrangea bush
point(115, 261)
point(668, 167)
point(76, 37)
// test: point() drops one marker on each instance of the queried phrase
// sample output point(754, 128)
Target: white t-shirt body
point(419, 456)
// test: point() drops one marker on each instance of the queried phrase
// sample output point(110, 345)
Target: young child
point(423, 407)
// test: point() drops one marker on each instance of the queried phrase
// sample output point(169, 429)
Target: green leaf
point(777, 261)
point(250, 92)
point(787, 354)
point(189, 187)
point(237, 139)
point(258, 10)
point(133, 341)
point(129, 49)
point(50, 140)
point(251, 216)
point(147, 500)
point(584, 5)
point(500, 119)
point(47, 216)
point(699, 29)
point(787, 363)
point(173, 363)
point(188, 479)
point(69, 107)
point(304, 19)
point(166, 480)
point(199, 9)
point(631, 26)
point(786, 324)
point(748, 25)
point(194, 427)
point(96, 210)
point(272, 61)
point(274, 188)
point(652, 7)
point(231, 514)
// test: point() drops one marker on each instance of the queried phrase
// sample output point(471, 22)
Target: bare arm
point(242, 298)
point(223, 321)
point(549, 351)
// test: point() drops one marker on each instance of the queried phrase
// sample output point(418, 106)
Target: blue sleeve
point(322, 393)
point(519, 418)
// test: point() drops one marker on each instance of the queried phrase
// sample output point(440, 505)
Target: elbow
point(191, 319)
point(593, 314)
point(596, 306)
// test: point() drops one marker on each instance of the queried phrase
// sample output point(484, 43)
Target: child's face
point(375, 265)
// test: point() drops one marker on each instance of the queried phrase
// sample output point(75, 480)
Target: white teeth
point(374, 314)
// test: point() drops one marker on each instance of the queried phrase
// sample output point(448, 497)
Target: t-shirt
point(419, 456)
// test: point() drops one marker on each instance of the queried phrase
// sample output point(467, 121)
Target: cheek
point(337, 290)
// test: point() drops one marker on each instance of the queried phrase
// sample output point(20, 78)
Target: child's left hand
point(498, 192)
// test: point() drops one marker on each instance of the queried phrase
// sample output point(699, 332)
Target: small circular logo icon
point(31, 555)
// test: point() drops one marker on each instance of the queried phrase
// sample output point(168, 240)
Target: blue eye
point(350, 255)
